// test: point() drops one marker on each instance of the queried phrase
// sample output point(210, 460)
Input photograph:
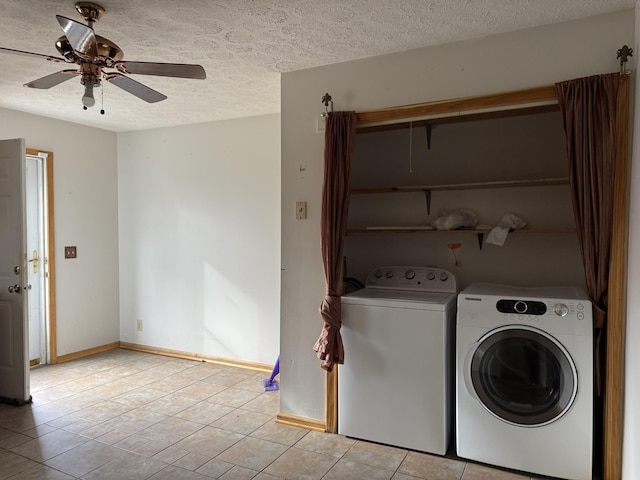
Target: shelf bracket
point(427, 196)
point(480, 239)
point(429, 129)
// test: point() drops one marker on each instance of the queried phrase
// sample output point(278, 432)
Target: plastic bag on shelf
point(461, 218)
point(509, 222)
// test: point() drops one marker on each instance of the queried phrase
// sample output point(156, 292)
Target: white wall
point(199, 216)
point(85, 215)
point(631, 428)
point(498, 63)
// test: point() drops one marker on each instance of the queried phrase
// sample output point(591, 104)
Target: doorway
point(40, 262)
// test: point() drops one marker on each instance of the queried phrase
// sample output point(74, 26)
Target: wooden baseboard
point(302, 422)
point(260, 367)
point(85, 353)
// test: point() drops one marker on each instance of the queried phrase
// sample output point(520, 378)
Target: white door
point(36, 255)
point(14, 338)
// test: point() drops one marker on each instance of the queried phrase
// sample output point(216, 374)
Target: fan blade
point(52, 80)
point(81, 37)
point(179, 70)
point(21, 52)
point(135, 88)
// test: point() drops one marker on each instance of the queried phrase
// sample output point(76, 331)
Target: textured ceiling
point(243, 45)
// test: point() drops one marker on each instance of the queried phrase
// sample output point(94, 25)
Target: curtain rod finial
point(326, 100)
point(623, 54)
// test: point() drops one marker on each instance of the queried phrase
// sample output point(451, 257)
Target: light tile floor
point(129, 415)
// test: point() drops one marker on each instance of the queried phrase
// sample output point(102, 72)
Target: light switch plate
point(301, 210)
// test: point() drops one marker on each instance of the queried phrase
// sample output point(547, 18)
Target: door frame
point(50, 257)
point(500, 103)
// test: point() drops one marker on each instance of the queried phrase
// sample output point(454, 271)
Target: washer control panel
point(430, 279)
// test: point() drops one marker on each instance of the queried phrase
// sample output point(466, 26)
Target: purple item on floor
point(270, 384)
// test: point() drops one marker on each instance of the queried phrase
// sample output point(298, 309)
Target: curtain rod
point(622, 53)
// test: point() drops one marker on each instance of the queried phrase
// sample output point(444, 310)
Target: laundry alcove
point(611, 436)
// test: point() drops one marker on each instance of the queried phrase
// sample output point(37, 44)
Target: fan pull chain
point(411, 147)
point(102, 97)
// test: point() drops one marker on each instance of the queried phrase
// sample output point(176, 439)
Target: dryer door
point(523, 376)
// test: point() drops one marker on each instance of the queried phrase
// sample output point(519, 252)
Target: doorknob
point(34, 260)
point(14, 288)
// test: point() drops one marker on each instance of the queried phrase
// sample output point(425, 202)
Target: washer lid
point(400, 299)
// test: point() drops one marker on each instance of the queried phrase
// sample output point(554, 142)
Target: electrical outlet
point(139, 325)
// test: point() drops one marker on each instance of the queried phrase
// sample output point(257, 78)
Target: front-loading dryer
point(524, 379)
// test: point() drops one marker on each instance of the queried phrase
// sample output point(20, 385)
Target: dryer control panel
point(530, 307)
point(560, 308)
point(430, 279)
point(557, 310)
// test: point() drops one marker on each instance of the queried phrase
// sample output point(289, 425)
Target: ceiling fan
point(99, 58)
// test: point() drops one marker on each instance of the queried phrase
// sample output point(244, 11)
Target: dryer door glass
point(523, 376)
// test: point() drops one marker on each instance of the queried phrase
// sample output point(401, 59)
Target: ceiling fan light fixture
point(87, 98)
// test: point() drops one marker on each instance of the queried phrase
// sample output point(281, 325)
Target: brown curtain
point(339, 142)
point(588, 106)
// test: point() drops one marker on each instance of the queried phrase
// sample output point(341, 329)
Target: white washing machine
point(524, 379)
point(396, 384)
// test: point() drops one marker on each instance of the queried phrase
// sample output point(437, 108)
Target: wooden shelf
point(461, 231)
point(464, 186)
point(478, 233)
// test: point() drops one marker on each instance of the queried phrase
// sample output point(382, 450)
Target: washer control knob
point(389, 274)
point(431, 275)
point(377, 274)
point(520, 307)
point(444, 276)
point(409, 274)
point(561, 309)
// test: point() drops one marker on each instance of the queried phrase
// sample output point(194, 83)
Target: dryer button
point(580, 316)
point(561, 309)
point(520, 307)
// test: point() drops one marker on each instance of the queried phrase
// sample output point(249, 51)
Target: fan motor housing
point(106, 48)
